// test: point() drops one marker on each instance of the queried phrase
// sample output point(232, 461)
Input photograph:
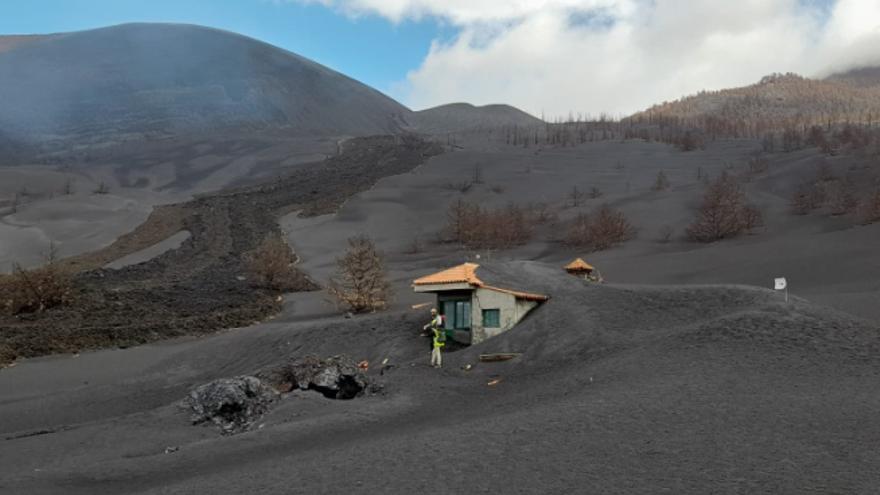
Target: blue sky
point(368, 48)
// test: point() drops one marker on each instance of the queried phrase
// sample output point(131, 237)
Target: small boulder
point(233, 404)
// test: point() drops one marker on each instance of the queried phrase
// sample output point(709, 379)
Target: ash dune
point(622, 389)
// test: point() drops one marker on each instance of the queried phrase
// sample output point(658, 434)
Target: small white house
point(474, 310)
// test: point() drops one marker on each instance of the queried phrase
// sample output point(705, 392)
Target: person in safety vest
point(438, 337)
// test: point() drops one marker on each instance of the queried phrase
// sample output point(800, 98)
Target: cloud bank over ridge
point(620, 56)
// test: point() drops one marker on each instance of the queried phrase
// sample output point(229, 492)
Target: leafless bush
point(362, 284)
point(751, 218)
point(664, 234)
point(576, 197)
point(595, 193)
point(415, 246)
point(807, 197)
point(758, 165)
point(271, 265)
point(661, 183)
point(541, 213)
point(842, 197)
point(36, 290)
point(603, 230)
point(102, 188)
point(67, 189)
point(723, 212)
point(479, 228)
point(478, 174)
point(870, 210)
point(462, 187)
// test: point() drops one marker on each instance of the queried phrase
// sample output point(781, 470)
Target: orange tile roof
point(579, 265)
point(467, 274)
point(461, 274)
point(521, 295)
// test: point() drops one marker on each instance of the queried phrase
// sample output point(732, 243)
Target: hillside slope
point(861, 77)
point(464, 117)
point(777, 101)
point(134, 80)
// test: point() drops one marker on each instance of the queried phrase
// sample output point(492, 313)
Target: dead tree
point(362, 284)
point(271, 266)
point(609, 228)
point(722, 213)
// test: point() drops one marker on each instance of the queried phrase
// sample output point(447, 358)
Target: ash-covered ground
point(672, 377)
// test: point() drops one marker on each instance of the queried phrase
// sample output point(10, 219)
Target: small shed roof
point(467, 273)
point(579, 265)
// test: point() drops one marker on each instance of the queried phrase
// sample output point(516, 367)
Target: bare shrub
point(461, 219)
point(67, 189)
point(36, 290)
point(690, 141)
point(807, 197)
point(578, 234)
point(751, 218)
point(758, 165)
point(723, 212)
point(842, 197)
point(415, 246)
point(542, 214)
point(271, 265)
point(603, 230)
point(362, 284)
point(479, 228)
point(102, 188)
point(595, 193)
point(609, 228)
point(478, 174)
point(576, 197)
point(870, 211)
point(664, 234)
point(661, 183)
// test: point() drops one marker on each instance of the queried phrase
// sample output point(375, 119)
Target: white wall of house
point(511, 310)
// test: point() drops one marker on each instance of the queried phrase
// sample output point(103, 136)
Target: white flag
point(781, 283)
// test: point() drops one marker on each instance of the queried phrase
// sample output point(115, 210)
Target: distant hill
point(864, 77)
point(777, 101)
point(464, 116)
point(142, 79)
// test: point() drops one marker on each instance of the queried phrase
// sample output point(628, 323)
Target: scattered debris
point(364, 365)
point(338, 377)
point(494, 382)
point(499, 356)
point(467, 367)
point(172, 449)
point(233, 404)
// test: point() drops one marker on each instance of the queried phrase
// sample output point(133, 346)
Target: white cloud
point(619, 56)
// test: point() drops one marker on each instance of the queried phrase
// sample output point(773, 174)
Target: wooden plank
point(499, 356)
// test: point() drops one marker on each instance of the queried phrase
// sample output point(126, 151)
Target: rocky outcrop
point(233, 404)
point(338, 377)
